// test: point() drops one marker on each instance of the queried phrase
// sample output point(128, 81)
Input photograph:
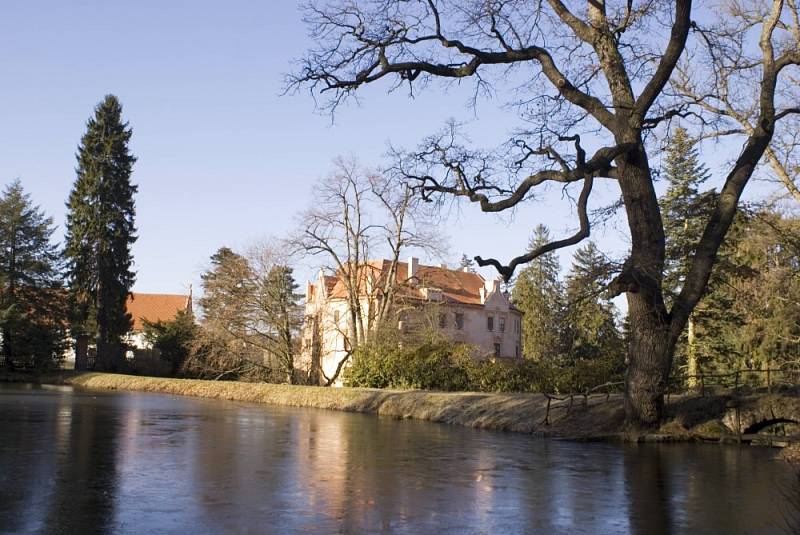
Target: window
point(497, 350)
point(459, 321)
point(490, 323)
point(502, 325)
point(442, 321)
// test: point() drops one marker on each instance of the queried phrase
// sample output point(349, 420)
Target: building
point(152, 307)
point(469, 309)
point(142, 307)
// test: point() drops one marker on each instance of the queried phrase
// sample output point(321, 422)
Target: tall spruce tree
point(538, 293)
point(591, 331)
point(32, 318)
point(684, 208)
point(685, 211)
point(100, 233)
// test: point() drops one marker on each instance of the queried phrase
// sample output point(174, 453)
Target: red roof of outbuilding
point(155, 307)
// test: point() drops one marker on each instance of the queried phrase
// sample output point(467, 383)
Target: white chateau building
point(470, 309)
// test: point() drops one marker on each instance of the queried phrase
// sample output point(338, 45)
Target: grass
point(689, 417)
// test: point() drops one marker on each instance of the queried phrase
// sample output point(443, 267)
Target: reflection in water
point(77, 462)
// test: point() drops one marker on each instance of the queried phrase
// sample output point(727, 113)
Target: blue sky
point(224, 159)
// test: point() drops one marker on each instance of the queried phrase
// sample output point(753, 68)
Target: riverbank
point(598, 417)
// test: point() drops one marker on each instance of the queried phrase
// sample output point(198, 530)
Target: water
point(91, 462)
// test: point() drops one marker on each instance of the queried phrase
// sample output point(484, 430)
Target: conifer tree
point(685, 211)
point(32, 320)
point(100, 233)
point(591, 332)
point(466, 263)
point(538, 293)
point(684, 208)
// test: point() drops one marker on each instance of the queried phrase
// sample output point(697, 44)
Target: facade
point(467, 309)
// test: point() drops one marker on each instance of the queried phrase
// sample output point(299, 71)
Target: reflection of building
point(468, 309)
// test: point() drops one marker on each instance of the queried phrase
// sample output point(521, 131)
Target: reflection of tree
point(20, 481)
point(649, 492)
point(85, 479)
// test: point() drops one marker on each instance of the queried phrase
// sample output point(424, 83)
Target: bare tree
point(356, 214)
point(598, 71)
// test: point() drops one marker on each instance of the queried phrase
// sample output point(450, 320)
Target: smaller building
point(153, 307)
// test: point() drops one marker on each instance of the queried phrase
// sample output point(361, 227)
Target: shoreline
point(689, 418)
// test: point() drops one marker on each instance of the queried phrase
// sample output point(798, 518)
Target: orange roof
point(456, 285)
point(155, 307)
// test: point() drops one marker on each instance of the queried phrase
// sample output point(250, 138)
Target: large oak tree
point(602, 73)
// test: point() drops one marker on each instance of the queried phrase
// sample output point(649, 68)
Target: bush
point(429, 366)
point(443, 365)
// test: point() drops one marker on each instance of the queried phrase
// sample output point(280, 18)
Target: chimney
point(492, 286)
point(443, 265)
point(413, 266)
point(466, 269)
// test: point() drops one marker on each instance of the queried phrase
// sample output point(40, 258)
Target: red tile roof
point(155, 307)
point(456, 285)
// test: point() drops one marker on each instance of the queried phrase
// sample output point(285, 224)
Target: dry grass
point(689, 418)
point(511, 412)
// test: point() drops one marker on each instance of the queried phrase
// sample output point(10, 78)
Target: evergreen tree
point(538, 293)
point(591, 332)
point(685, 211)
point(684, 208)
point(100, 233)
point(280, 315)
point(764, 295)
point(32, 320)
point(251, 315)
point(466, 263)
point(173, 339)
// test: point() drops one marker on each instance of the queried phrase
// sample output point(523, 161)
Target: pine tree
point(591, 331)
point(251, 315)
point(538, 293)
point(466, 263)
point(685, 210)
point(281, 315)
point(100, 233)
point(32, 320)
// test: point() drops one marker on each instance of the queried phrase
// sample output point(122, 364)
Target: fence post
point(769, 379)
point(547, 414)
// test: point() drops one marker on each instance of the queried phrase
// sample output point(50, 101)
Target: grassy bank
point(599, 418)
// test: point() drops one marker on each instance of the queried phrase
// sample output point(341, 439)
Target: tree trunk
point(8, 357)
point(691, 354)
point(82, 353)
point(650, 347)
point(649, 362)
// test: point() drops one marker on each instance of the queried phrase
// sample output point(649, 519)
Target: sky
point(224, 159)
